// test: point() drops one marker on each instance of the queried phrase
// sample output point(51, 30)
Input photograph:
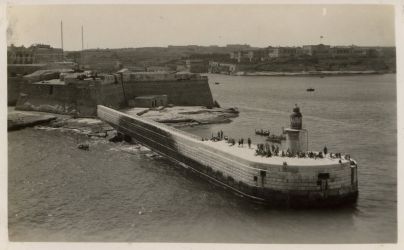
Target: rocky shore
point(88, 126)
point(93, 127)
point(21, 119)
point(179, 116)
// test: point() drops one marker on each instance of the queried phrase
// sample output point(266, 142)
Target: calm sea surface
point(117, 192)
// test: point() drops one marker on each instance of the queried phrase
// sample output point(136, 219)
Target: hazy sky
point(117, 26)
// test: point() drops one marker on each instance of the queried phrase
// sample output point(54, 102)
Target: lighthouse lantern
point(296, 136)
point(296, 118)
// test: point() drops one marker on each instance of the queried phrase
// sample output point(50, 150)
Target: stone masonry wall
point(76, 99)
point(248, 177)
point(13, 88)
point(180, 92)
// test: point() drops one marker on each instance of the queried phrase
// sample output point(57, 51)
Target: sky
point(123, 26)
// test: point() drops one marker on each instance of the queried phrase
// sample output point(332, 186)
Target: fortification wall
point(23, 69)
point(180, 92)
point(74, 99)
point(81, 98)
point(260, 181)
point(47, 98)
point(110, 95)
point(13, 88)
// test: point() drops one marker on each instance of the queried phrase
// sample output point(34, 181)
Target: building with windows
point(319, 50)
point(221, 67)
point(245, 56)
point(19, 55)
point(276, 52)
point(43, 53)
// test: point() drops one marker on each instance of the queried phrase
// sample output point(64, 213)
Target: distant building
point(219, 67)
point(319, 50)
point(43, 53)
point(197, 65)
point(341, 51)
point(355, 51)
point(276, 52)
point(37, 53)
point(244, 56)
point(19, 55)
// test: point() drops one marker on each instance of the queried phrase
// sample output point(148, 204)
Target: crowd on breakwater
point(272, 150)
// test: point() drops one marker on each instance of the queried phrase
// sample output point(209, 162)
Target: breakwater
point(313, 183)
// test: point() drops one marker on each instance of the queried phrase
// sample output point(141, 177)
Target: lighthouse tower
point(296, 136)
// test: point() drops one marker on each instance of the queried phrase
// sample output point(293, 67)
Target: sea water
point(122, 192)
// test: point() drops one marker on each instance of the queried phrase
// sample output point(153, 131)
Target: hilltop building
point(37, 53)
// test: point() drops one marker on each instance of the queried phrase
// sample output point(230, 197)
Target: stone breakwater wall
point(296, 186)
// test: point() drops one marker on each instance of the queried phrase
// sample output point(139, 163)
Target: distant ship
point(310, 89)
point(297, 178)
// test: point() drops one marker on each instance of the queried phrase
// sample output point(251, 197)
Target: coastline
point(313, 73)
point(177, 116)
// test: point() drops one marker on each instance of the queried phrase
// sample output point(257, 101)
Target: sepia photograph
point(201, 123)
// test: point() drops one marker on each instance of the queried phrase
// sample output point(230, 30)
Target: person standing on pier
point(267, 147)
point(249, 142)
point(325, 150)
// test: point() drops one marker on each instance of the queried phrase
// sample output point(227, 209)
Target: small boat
point(83, 146)
point(217, 83)
point(310, 90)
point(262, 132)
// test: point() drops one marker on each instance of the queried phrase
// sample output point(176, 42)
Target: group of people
point(269, 150)
point(240, 142)
point(220, 136)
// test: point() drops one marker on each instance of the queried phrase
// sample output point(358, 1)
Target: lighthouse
point(296, 136)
